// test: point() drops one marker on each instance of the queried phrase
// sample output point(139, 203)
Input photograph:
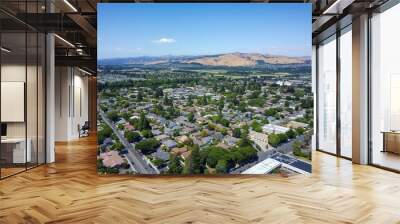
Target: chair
point(84, 130)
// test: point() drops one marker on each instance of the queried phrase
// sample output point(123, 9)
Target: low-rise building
point(182, 139)
point(161, 137)
point(230, 141)
point(179, 151)
point(169, 143)
point(296, 124)
point(273, 128)
point(156, 132)
point(129, 127)
point(260, 139)
point(111, 158)
point(264, 167)
point(186, 155)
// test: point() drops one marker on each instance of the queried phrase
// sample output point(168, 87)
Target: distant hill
point(220, 60)
point(245, 60)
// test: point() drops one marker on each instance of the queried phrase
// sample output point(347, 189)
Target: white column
point(50, 99)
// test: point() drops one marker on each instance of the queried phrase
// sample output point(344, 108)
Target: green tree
point(120, 127)
point(105, 132)
point(158, 93)
point(195, 160)
point(167, 101)
point(296, 146)
point(143, 123)
point(221, 166)
point(274, 140)
point(177, 132)
point(282, 137)
point(300, 130)
point(190, 101)
point(113, 116)
point(291, 133)
point(256, 126)
point(271, 112)
point(224, 122)
point(243, 155)
point(147, 133)
point(237, 133)
point(299, 93)
point(147, 146)
point(203, 133)
point(308, 102)
point(221, 103)
point(174, 165)
point(117, 146)
point(191, 117)
point(132, 136)
point(242, 107)
point(244, 139)
point(126, 115)
point(99, 163)
point(256, 102)
point(139, 96)
point(215, 154)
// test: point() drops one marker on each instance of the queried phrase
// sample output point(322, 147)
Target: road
point(140, 165)
point(287, 147)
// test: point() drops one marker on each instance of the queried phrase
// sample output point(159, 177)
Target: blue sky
point(130, 30)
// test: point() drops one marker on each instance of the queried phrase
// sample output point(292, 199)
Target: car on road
point(123, 152)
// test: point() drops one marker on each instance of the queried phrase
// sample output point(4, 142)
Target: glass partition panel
point(31, 98)
point(22, 77)
point(327, 95)
point(14, 154)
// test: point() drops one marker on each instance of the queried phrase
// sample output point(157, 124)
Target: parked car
point(123, 152)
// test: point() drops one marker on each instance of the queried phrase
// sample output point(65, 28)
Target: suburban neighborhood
point(203, 122)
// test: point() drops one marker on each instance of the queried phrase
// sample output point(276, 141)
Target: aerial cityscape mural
point(200, 89)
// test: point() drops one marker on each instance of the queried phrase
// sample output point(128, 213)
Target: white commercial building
point(264, 167)
point(260, 139)
point(272, 128)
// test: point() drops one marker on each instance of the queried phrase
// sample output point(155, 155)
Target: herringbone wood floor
point(70, 191)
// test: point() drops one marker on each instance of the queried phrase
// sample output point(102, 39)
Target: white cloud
point(164, 41)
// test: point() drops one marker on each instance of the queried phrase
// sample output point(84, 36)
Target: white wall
point(62, 81)
point(71, 94)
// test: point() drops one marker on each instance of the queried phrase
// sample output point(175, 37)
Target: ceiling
point(331, 15)
point(75, 22)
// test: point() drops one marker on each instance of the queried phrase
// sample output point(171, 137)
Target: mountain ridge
point(235, 59)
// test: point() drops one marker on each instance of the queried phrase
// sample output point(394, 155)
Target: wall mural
point(204, 89)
